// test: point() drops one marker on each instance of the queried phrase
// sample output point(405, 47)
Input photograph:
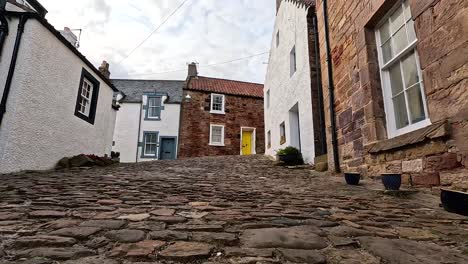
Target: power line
point(203, 66)
point(154, 31)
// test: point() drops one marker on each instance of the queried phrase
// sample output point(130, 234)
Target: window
point(217, 104)
point(282, 133)
point(403, 90)
point(269, 139)
point(150, 144)
point(154, 108)
point(292, 57)
point(268, 99)
point(216, 135)
point(86, 101)
point(277, 39)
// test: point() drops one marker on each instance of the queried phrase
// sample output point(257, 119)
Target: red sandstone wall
point(442, 31)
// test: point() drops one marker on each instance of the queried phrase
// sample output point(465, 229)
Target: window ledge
point(217, 145)
point(436, 130)
point(152, 119)
point(217, 112)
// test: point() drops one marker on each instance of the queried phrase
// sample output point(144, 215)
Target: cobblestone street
point(218, 210)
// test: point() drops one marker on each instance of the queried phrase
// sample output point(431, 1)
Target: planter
point(352, 178)
point(291, 159)
point(391, 181)
point(454, 201)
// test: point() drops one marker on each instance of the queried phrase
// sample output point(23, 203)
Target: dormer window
point(217, 104)
point(154, 107)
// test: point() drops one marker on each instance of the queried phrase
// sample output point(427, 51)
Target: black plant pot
point(352, 178)
point(391, 181)
point(455, 202)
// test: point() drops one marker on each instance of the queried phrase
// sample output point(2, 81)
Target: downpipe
point(331, 89)
point(22, 22)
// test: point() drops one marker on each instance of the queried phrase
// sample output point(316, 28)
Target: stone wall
point(196, 118)
point(442, 32)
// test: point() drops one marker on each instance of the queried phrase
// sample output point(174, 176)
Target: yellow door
point(246, 142)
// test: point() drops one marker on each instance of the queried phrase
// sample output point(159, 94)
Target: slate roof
point(225, 86)
point(134, 89)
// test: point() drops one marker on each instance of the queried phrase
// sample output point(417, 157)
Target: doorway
point(167, 149)
point(294, 127)
point(248, 141)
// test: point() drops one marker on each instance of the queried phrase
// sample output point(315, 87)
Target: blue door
point(167, 149)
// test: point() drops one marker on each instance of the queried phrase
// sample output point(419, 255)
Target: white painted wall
point(287, 91)
point(39, 127)
point(126, 130)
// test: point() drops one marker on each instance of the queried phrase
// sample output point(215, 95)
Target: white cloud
point(205, 31)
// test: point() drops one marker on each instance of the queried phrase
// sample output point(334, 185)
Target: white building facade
point(147, 126)
point(56, 103)
point(290, 84)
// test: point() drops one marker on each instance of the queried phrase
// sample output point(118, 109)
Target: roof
point(225, 86)
point(308, 3)
point(62, 39)
point(134, 89)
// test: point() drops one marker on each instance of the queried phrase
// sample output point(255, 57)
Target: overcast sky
point(204, 31)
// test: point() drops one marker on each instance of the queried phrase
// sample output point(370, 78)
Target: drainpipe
point(321, 117)
point(139, 130)
point(331, 89)
point(3, 25)
point(11, 71)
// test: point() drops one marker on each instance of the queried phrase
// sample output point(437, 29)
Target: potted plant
point(352, 178)
point(454, 201)
point(391, 181)
point(290, 156)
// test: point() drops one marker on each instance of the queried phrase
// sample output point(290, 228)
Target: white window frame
point(156, 107)
point(88, 99)
point(221, 112)
point(293, 61)
point(145, 143)
point(392, 129)
point(218, 144)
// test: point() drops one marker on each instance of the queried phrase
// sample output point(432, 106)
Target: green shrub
point(288, 151)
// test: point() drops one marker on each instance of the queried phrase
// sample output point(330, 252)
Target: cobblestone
point(218, 210)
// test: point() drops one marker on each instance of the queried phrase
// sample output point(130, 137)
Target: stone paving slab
point(218, 210)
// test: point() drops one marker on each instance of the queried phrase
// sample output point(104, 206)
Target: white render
point(40, 126)
point(129, 118)
point(286, 91)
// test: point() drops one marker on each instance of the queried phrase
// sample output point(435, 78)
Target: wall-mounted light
point(188, 98)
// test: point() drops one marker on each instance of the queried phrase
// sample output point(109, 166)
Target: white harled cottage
point(54, 102)
point(293, 104)
point(147, 126)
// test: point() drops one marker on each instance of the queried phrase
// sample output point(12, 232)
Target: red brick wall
point(442, 31)
point(196, 119)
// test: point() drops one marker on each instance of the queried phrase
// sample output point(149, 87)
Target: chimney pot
point(192, 70)
point(104, 69)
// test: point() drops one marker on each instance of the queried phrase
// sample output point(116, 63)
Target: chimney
point(68, 35)
point(278, 3)
point(192, 70)
point(104, 69)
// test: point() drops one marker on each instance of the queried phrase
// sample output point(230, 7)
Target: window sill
point(217, 145)
point(434, 131)
point(152, 119)
point(217, 112)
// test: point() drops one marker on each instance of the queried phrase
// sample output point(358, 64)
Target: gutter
point(22, 22)
point(331, 89)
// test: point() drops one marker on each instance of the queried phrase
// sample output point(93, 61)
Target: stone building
point(147, 125)
point(398, 86)
point(220, 117)
point(54, 102)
